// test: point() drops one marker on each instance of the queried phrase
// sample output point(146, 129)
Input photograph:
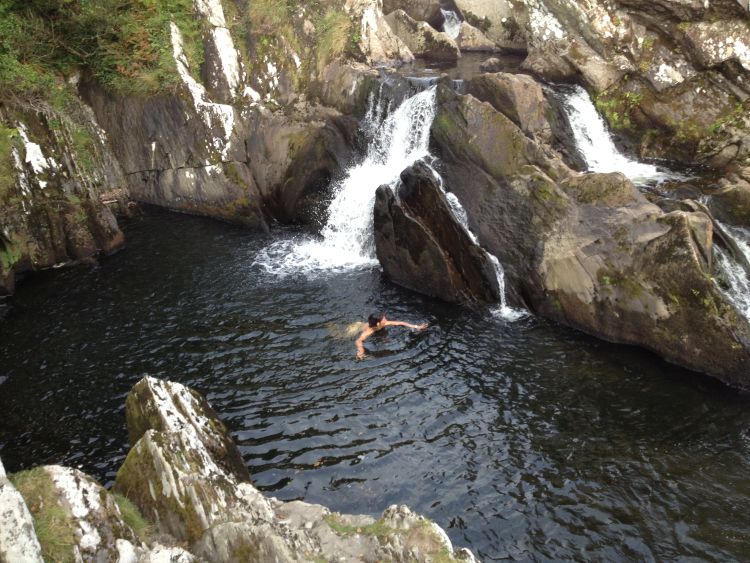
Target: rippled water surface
point(523, 440)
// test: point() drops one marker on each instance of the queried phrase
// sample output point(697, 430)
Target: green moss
point(10, 254)
point(53, 524)
point(482, 24)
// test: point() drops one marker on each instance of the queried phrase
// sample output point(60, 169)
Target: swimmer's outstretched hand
point(361, 355)
point(423, 326)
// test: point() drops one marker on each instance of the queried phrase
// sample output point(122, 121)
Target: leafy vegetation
point(125, 44)
point(8, 139)
point(618, 106)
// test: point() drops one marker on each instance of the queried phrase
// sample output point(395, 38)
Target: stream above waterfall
point(522, 439)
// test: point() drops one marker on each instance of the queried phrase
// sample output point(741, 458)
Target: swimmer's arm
point(360, 343)
point(423, 326)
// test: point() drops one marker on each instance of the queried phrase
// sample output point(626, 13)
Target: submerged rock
point(421, 245)
point(182, 475)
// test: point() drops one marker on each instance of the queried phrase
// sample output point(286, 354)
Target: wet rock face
point(422, 246)
point(182, 475)
point(420, 10)
point(422, 39)
point(54, 168)
point(731, 203)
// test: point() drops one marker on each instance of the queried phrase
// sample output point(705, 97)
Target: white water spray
point(398, 140)
point(735, 275)
point(451, 23)
point(596, 146)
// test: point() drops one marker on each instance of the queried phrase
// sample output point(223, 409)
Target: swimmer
point(376, 322)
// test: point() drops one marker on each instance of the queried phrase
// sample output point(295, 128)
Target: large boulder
point(472, 39)
point(182, 473)
point(18, 541)
point(422, 39)
point(422, 245)
point(519, 97)
point(377, 41)
point(589, 250)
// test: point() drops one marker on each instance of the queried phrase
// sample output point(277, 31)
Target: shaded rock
point(181, 480)
point(519, 97)
point(422, 39)
point(420, 10)
point(493, 64)
point(81, 517)
point(731, 203)
point(549, 66)
point(50, 212)
point(18, 541)
point(422, 246)
point(471, 39)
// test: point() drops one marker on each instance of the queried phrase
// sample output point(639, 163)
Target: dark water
point(523, 440)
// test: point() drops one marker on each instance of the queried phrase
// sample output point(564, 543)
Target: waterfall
point(596, 146)
point(451, 23)
point(397, 139)
point(736, 277)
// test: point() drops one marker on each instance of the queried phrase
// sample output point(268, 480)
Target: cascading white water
point(596, 146)
point(398, 139)
point(735, 275)
point(451, 23)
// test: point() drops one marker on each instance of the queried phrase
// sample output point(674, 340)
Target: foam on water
point(595, 143)
point(398, 139)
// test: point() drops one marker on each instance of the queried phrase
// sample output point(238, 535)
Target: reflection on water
point(524, 440)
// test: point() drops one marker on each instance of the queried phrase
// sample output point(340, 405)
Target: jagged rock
point(420, 10)
point(422, 246)
point(129, 553)
point(519, 97)
point(588, 250)
point(422, 39)
point(82, 518)
point(731, 203)
point(18, 541)
point(378, 42)
point(471, 39)
point(178, 475)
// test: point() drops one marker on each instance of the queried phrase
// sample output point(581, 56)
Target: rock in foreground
point(179, 475)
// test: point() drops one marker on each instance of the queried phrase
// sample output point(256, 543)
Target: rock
point(714, 43)
point(422, 246)
point(589, 251)
point(82, 521)
point(420, 10)
point(517, 96)
point(178, 475)
point(549, 65)
point(471, 39)
point(18, 541)
point(378, 42)
point(422, 39)
point(53, 167)
point(168, 407)
point(496, 17)
point(731, 203)
point(493, 64)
